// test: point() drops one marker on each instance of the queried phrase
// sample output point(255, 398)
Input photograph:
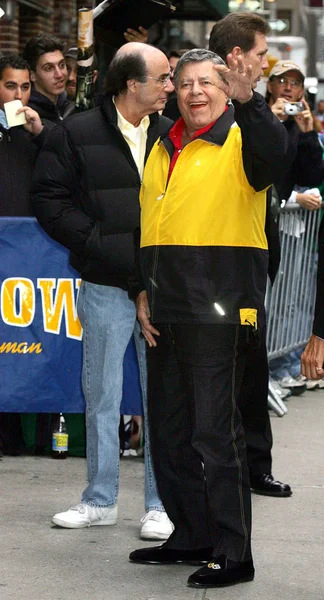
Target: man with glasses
point(286, 86)
point(285, 89)
point(245, 34)
point(86, 187)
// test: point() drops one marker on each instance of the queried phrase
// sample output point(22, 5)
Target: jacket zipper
point(156, 251)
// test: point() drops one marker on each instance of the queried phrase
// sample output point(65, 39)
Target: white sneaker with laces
point(84, 515)
point(156, 525)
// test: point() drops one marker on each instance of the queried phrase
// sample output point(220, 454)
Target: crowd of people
point(135, 190)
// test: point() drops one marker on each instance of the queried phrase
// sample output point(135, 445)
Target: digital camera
point(293, 108)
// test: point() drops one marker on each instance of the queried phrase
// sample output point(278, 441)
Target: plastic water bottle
point(60, 439)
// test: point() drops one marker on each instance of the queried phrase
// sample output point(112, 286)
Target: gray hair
point(197, 55)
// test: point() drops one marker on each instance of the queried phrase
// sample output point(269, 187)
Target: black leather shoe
point(159, 555)
point(266, 485)
point(221, 571)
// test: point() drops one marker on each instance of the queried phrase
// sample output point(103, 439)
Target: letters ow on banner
point(40, 334)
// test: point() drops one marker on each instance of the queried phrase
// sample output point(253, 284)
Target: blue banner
point(40, 334)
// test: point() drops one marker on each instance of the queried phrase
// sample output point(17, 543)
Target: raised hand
point(235, 79)
point(304, 119)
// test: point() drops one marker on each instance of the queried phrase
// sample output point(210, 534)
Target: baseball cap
point(282, 66)
point(72, 53)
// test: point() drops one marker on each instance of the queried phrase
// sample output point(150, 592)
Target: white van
point(283, 47)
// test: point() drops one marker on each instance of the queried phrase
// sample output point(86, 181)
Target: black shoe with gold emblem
point(162, 555)
point(221, 571)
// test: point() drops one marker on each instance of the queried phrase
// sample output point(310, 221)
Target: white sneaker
point(312, 384)
point(156, 525)
point(297, 385)
point(84, 515)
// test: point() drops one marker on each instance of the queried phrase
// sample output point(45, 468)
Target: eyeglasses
point(286, 81)
point(163, 81)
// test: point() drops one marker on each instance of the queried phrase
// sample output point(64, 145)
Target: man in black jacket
point(86, 187)
point(234, 34)
point(286, 86)
point(49, 74)
point(17, 157)
point(17, 150)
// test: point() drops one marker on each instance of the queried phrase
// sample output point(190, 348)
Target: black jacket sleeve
point(318, 324)
point(272, 233)
point(56, 193)
point(309, 166)
point(265, 142)
point(135, 281)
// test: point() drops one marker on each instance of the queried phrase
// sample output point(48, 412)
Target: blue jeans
point(108, 319)
point(286, 366)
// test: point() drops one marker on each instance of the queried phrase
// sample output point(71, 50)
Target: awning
point(201, 10)
point(37, 5)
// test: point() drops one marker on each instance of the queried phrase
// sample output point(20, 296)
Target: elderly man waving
point(203, 255)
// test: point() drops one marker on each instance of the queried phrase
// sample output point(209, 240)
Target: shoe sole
point(66, 525)
point(154, 535)
point(218, 585)
point(195, 563)
point(273, 494)
point(298, 391)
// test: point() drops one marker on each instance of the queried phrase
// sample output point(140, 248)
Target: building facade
point(24, 19)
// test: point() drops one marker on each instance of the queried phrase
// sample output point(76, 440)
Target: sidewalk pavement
point(41, 562)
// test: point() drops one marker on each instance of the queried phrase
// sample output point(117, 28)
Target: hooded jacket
point(204, 256)
point(47, 109)
point(85, 192)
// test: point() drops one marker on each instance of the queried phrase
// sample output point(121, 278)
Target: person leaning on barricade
point(285, 88)
point(285, 96)
point(203, 260)
point(244, 33)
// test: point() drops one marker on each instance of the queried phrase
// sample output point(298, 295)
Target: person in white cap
point(285, 95)
point(285, 87)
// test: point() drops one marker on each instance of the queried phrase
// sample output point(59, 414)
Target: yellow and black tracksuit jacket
point(203, 249)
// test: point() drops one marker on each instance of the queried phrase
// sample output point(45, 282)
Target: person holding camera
point(285, 96)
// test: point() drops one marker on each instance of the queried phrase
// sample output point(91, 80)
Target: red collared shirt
point(175, 135)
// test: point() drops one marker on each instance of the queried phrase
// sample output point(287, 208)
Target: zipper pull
point(161, 196)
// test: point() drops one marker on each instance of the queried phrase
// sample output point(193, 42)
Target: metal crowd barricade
point(290, 302)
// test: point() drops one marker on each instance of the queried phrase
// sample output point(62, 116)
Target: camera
point(293, 108)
